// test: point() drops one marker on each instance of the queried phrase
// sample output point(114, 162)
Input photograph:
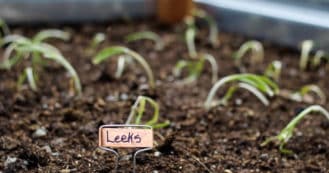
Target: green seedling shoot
point(307, 89)
point(213, 30)
point(256, 84)
point(148, 35)
point(257, 52)
point(119, 50)
point(29, 75)
point(273, 70)
point(4, 27)
point(307, 46)
point(190, 37)
point(36, 49)
point(95, 42)
point(319, 55)
point(283, 137)
point(195, 68)
point(139, 109)
point(16, 41)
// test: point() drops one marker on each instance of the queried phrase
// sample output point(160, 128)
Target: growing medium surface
point(50, 131)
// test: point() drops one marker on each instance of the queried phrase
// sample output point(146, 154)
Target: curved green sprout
point(119, 50)
point(299, 95)
point(25, 47)
point(95, 42)
point(273, 70)
point(4, 27)
point(213, 30)
point(195, 68)
point(159, 45)
point(261, 83)
point(50, 33)
point(257, 51)
point(306, 47)
point(286, 133)
point(245, 86)
point(16, 41)
point(139, 108)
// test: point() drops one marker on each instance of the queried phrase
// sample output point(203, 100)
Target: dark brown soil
point(224, 139)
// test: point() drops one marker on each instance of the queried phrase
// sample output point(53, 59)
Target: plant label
point(125, 136)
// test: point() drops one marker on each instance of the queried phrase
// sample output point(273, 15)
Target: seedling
point(273, 70)
point(213, 30)
point(305, 90)
point(119, 50)
point(195, 68)
point(319, 55)
point(139, 108)
point(95, 42)
point(4, 27)
point(257, 52)
point(29, 75)
point(307, 46)
point(148, 35)
point(16, 41)
point(254, 83)
point(190, 37)
point(250, 88)
point(25, 47)
point(51, 33)
point(283, 137)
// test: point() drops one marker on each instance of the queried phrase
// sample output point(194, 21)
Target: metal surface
point(26, 11)
point(284, 22)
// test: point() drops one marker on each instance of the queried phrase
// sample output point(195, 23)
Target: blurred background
point(286, 22)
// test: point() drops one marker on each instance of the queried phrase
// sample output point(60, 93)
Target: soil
point(223, 139)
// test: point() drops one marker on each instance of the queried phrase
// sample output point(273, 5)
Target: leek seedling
point(29, 75)
point(319, 55)
point(25, 47)
point(119, 50)
point(307, 46)
point(159, 45)
point(305, 90)
point(213, 30)
point(195, 68)
point(139, 108)
point(190, 37)
point(273, 70)
point(16, 41)
point(257, 51)
point(95, 42)
point(260, 84)
point(286, 133)
point(51, 33)
point(4, 27)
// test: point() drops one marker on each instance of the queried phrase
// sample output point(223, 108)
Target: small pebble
point(228, 171)
point(123, 96)
point(111, 98)
point(264, 156)
point(40, 132)
point(238, 101)
point(157, 154)
point(10, 160)
point(126, 157)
